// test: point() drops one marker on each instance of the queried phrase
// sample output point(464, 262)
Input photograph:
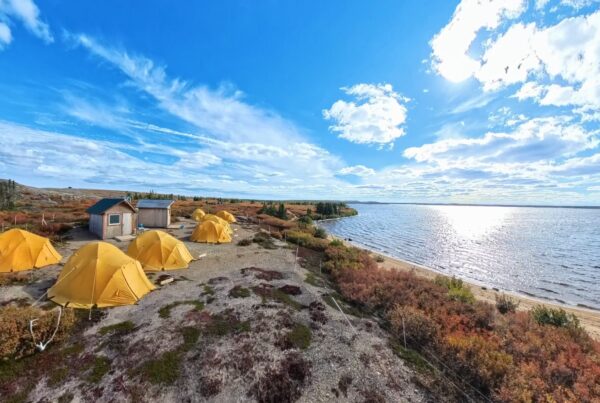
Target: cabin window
point(114, 219)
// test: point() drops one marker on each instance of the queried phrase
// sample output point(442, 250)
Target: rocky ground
point(243, 323)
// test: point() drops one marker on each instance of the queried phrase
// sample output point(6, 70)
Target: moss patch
point(58, 376)
point(100, 368)
point(264, 240)
point(314, 280)
point(222, 325)
point(120, 329)
point(165, 311)
point(239, 292)
point(299, 337)
point(348, 310)
point(190, 337)
point(268, 292)
point(164, 369)
point(207, 290)
point(411, 357)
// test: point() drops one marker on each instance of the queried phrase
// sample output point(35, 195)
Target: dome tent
point(157, 250)
point(227, 216)
point(218, 220)
point(21, 250)
point(211, 232)
point(99, 274)
point(198, 214)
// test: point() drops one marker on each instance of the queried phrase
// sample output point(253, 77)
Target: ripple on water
point(542, 252)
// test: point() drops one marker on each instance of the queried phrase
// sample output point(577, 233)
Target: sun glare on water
point(474, 221)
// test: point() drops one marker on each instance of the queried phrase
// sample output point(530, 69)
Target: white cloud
point(357, 170)
point(535, 140)
point(376, 118)
point(224, 124)
point(5, 35)
point(222, 112)
point(28, 14)
point(451, 46)
point(562, 60)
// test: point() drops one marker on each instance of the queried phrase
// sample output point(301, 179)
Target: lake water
point(549, 253)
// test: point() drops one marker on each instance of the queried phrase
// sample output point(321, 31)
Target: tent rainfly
point(218, 220)
point(198, 214)
point(21, 250)
point(211, 232)
point(100, 274)
point(226, 215)
point(157, 250)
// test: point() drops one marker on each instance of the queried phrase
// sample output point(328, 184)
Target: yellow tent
point(100, 274)
point(157, 250)
point(218, 220)
point(211, 232)
point(198, 214)
point(21, 250)
point(226, 215)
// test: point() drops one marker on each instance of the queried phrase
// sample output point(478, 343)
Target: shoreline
point(589, 318)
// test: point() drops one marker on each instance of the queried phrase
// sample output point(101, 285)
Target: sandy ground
point(358, 352)
point(589, 319)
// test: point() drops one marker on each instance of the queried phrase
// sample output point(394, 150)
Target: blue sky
point(473, 101)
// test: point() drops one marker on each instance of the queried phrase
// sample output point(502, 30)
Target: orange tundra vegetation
point(510, 357)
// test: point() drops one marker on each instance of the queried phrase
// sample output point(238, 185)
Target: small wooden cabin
point(154, 213)
point(112, 217)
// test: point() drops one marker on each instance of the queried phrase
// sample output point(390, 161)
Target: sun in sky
point(477, 101)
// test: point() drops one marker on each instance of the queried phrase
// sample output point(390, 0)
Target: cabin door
point(127, 228)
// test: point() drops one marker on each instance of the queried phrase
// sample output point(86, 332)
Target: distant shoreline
point(474, 205)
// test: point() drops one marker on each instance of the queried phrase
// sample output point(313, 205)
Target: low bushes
point(555, 317)
point(307, 240)
point(506, 304)
point(542, 355)
point(15, 339)
point(456, 289)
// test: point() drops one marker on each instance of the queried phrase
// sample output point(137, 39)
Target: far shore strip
point(589, 318)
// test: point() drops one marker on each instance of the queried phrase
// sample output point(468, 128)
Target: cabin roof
point(158, 204)
point(104, 204)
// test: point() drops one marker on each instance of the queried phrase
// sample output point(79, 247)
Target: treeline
point(8, 195)
point(152, 195)
point(326, 210)
point(270, 209)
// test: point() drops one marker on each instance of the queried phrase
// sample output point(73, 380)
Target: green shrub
point(306, 219)
point(265, 240)
point(554, 317)
point(307, 240)
point(320, 233)
point(336, 242)
point(506, 304)
point(244, 242)
point(456, 288)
